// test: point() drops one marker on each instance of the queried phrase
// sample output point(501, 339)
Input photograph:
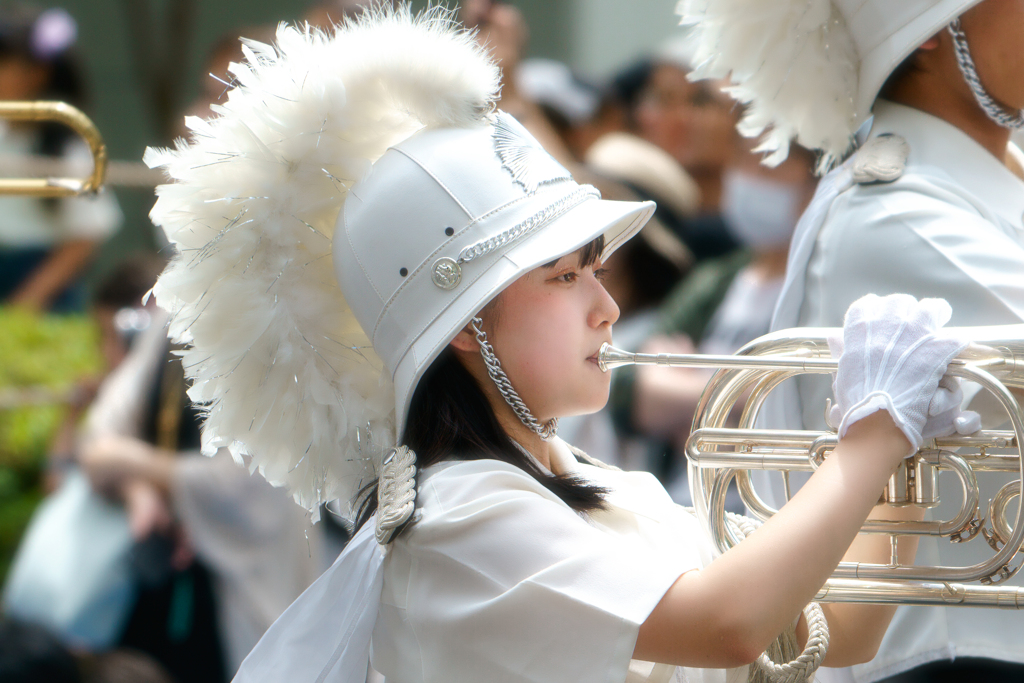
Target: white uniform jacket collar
point(941, 149)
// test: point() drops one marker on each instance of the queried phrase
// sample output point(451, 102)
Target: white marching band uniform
point(492, 547)
point(951, 226)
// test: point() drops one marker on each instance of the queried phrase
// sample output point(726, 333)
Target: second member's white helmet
point(810, 70)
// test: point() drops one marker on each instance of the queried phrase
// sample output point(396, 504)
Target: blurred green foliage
point(47, 352)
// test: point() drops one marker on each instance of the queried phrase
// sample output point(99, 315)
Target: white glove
point(891, 358)
point(944, 414)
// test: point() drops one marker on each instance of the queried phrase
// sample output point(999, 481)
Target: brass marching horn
point(717, 455)
point(56, 112)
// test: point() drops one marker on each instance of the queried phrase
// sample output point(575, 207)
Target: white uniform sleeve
point(500, 580)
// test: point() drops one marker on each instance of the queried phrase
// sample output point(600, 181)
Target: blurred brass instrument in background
point(44, 176)
point(718, 454)
point(56, 112)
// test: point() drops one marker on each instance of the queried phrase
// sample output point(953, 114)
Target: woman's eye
point(601, 274)
point(567, 277)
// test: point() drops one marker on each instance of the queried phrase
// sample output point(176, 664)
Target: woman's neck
point(526, 438)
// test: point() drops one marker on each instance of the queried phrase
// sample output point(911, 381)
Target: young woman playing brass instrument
point(360, 239)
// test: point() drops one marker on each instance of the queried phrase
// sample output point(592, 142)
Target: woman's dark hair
point(450, 418)
point(18, 25)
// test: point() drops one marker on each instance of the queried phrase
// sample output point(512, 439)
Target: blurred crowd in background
point(125, 554)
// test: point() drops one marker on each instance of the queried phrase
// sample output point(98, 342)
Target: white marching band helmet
point(810, 70)
point(369, 156)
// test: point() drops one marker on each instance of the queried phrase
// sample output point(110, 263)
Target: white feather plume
point(285, 373)
point(792, 62)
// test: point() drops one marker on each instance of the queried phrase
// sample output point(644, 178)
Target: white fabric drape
point(325, 634)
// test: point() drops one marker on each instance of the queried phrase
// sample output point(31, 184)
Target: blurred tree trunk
point(160, 35)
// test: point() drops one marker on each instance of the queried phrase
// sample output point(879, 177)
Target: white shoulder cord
point(799, 668)
point(396, 492)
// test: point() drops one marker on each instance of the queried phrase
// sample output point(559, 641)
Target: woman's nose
point(604, 309)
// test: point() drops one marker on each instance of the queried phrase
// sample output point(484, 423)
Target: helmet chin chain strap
point(993, 109)
point(396, 486)
point(546, 430)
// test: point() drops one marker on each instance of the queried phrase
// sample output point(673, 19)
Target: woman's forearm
point(727, 613)
point(112, 460)
point(856, 630)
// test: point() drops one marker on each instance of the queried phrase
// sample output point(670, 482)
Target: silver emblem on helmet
point(446, 273)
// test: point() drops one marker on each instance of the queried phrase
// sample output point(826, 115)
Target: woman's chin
point(588, 407)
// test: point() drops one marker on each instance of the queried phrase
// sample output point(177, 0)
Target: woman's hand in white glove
point(892, 357)
point(945, 417)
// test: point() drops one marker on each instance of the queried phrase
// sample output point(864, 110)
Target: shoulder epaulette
point(881, 159)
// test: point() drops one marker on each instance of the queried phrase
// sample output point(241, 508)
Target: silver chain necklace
point(993, 109)
point(500, 379)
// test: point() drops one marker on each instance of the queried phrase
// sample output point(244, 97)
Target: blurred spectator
point(119, 307)
point(216, 80)
point(203, 557)
point(30, 654)
point(120, 314)
point(624, 91)
point(696, 124)
point(205, 531)
point(723, 304)
point(650, 173)
point(570, 105)
point(45, 244)
point(501, 29)
point(325, 13)
point(644, 271)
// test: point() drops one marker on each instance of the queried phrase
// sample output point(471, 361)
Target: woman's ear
point(465, 340)
point(930, 44)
